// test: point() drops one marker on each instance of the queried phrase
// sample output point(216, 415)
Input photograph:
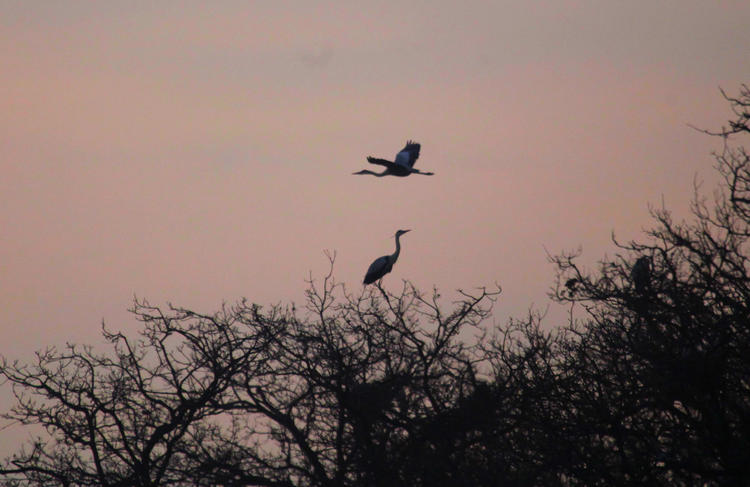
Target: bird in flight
point(383, 265)
point(402, 166)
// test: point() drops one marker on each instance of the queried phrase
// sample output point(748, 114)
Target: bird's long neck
point(367, 171)
point(394, 255)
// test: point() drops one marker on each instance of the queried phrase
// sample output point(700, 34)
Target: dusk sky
point(199, 153)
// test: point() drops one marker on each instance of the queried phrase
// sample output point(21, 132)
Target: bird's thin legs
point(382, 291)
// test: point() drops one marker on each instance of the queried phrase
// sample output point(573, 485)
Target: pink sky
point(199, 154)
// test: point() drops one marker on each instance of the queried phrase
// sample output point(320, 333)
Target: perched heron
point(402, 166)
point(383, 265)
point(641, 273)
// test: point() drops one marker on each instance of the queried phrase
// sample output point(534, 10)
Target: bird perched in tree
point(383, 265)
point(641, 273)
point(402, 166)
point(571, 284)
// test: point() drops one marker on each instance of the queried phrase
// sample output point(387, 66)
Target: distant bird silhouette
point(403, 165)
point(383, 265)
point(641, 273)
point(571, 284)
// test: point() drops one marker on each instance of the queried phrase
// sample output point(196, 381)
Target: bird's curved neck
point(394, 255)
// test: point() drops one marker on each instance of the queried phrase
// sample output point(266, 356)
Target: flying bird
point(641, 273)
point(402, 166)
point(383, 265)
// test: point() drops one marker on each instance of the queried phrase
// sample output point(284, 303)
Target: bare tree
point(347, 385)
point(124, 418)
point(249, 396)
point(661, 365)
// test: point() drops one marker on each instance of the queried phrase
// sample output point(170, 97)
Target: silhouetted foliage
point(647, 384)
point(663, 359)
point(250, 396)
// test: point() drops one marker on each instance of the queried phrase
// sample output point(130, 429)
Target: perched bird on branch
point(641, 273)
point(383, 265)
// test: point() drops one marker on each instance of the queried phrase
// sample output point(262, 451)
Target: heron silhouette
point(641, 273)
point(383, 265)
point(402, 166)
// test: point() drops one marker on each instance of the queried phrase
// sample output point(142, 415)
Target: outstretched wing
point(380, 162)
point(408, 155)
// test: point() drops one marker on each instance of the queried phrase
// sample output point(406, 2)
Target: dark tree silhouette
point(250, 396)
point(660, 373)
point(128, 418)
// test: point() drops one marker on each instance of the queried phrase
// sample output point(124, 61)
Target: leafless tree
point(125, 418)
point(661, 370)
point(249, 395)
